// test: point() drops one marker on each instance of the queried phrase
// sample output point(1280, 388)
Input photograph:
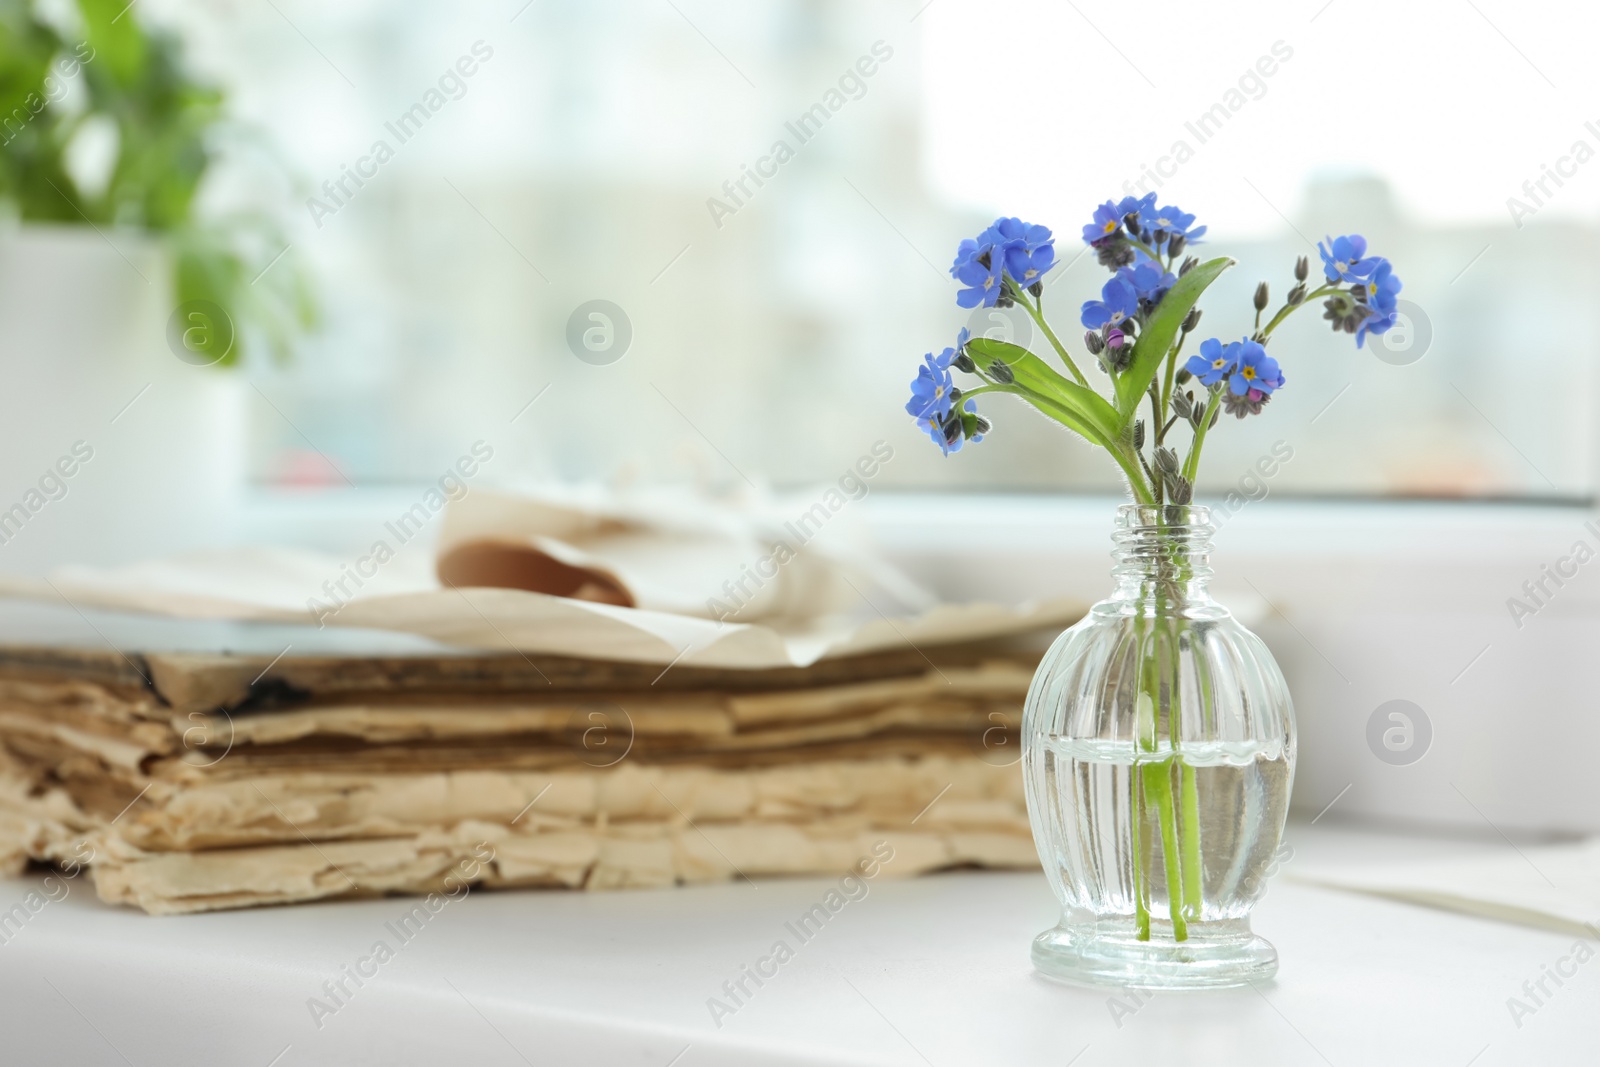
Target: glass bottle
point(1158, 751)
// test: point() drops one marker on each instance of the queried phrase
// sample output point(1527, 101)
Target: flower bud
point(1261, 297)
point(1113, 252)
point(1179, 491)
point(1302, 269)
point(963, 362)
point(1167, 461)
point(1191, 320)
point(1182, 405)
point(1176, 246)
point(1037, 289)
point(982, 424)
point(1189, 264)
point(1000, 372)
point(1138, 434)
point(1297, 295)
point(955, 394)
point(1183, 376)
point(1094, 342)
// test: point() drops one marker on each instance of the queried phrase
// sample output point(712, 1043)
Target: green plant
point(167, 128)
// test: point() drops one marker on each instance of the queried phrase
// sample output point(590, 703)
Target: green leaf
point(1097, 419)
point(1155, 339)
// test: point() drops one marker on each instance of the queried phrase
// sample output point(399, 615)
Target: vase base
point(1208, 959)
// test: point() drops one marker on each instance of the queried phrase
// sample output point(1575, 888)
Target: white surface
point(1556, 887)
point(933, 970)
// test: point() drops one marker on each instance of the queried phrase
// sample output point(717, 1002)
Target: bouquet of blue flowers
point(1136, 333)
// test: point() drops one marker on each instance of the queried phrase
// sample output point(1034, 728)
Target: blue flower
point(1148, 278)
point(1381, 286)
point(1141, 206)
point(979, 273)
point(1380, 290)
point(1176, 222)
point(1118, 301)
point(1029, 249)
point(1375, 323)
point(955, 428)
point(930, 390)
point(1343, 258)
point(1008, 248)
point(1215, 361)
point(1254, 373)
point(1105, 223)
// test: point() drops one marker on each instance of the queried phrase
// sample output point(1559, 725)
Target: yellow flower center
point(1249, 373)
point(1110, 226)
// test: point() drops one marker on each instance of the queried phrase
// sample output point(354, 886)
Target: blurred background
point(385, 226)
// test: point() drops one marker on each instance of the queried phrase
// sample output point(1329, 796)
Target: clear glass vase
point(1158, 750)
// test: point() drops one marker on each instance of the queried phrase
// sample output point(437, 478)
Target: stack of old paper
point(627, 717)
point(194, 782)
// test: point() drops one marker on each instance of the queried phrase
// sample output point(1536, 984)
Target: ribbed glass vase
point(1158, 750)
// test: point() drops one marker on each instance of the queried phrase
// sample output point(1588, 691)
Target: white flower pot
point(85, 365)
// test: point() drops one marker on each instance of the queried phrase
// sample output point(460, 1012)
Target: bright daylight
point(799, 533)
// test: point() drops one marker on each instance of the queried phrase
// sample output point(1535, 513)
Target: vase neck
point(1163, 555)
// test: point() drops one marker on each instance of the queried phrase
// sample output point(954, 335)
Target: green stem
point(1172, 366)
point(1191, 841)
point(1191, 795)
point(1158, 780)
point(1119, 450)
point(1126, 460)
point(1141, 891)
point(1188, 781)
point(1037, 313)
point(1156, 776)
point(1191, 463)
point(1289, 309)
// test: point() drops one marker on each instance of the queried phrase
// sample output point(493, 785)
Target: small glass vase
point(1158, 750)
